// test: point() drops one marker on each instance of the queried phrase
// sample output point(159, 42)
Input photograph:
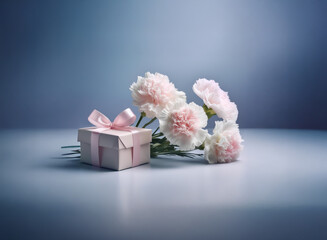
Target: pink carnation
point(215, 98)
point(182, 125)
point(225, 143)
point(153, 92)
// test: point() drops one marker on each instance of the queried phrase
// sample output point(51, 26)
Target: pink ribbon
point(122, 122)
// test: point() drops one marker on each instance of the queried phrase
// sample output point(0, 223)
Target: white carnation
point(225, 143)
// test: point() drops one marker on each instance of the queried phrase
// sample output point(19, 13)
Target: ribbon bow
point(121, 122)
point(124, 119)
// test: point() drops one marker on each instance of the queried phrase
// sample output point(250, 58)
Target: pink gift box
point(115, 147)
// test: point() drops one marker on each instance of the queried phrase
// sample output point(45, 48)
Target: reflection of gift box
point(115, 149)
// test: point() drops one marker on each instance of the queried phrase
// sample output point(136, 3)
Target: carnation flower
point(182, 125)
point(215, 98)
point(152, 93)
point(225, 143)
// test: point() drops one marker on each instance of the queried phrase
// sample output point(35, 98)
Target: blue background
point(61, 59)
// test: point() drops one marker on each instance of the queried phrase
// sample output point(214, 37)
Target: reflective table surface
point(277, 190)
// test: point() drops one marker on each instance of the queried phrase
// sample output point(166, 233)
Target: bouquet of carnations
point(181, 124)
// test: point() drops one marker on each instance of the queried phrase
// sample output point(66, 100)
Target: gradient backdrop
point(61, 59)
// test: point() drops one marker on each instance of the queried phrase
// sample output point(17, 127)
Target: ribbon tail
point(95, 158)
point(136, 149)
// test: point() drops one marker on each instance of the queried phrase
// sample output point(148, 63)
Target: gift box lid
point(112, 138)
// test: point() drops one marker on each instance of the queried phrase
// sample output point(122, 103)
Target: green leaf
point(157, 135)
point(64, 157)
point(201, 147)
point(65, 154)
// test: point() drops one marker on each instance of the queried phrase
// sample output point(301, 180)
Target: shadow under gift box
point(115, 147)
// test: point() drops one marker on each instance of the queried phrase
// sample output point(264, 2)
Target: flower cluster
point(182, 124)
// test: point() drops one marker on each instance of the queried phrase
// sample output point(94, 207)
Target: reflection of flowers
point(225, 143)
point(153, 92)
point(216, 99)
point(182, 125)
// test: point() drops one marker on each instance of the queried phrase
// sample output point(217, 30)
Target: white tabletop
point(278, 189)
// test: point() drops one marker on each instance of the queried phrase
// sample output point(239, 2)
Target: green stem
point(151, 121)
point(139, 121)
point(155, 131)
